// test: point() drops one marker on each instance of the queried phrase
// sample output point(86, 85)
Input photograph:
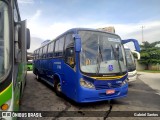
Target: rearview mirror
point(28, 38)
point(77, 43)
point(20, 40)
point(137, 54)
point(135, 42)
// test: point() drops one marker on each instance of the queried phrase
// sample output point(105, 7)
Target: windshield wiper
point(98, 62)
point(116, 56)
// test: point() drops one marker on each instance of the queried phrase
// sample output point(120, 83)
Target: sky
point(47, 19)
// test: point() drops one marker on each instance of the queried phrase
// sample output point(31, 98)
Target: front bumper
point(92, 95)
point(132, 76)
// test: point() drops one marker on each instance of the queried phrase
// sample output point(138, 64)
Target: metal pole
point(142, 34)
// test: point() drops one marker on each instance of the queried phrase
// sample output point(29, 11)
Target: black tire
point(37, 77)
point(57, 87)
point(20, 96)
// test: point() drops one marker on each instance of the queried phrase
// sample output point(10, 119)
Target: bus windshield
point(102, 53)
point(130, 60)
point(4, 40)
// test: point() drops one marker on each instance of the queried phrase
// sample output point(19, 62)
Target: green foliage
point(150, 54)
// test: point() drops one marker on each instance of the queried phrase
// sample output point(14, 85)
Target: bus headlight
point(86, 84)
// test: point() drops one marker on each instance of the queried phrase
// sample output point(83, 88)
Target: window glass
point(56, 46)
point(69, 41)
point(50, 49)
point(44, 51)
point(40, 53)
point(37, 54)
point(4, 40)
point(59, 47)
point(70, 56)
point(131, 65)
point(34, 55)
point(15, 13)
point(101, 53)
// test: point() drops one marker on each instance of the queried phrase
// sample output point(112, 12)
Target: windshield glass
point(102, 53)
point(4, 40)
point(130, 60)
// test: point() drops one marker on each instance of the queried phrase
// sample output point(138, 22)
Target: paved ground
point(142, 96)
point(151, 79)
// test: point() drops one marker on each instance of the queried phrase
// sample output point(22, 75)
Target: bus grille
point(98, 87)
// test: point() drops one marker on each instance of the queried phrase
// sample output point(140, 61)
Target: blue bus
point(86, 65)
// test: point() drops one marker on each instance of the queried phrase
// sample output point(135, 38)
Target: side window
point(69, 40)
point(56, 48)
point(37, 54)
point(15, 13)
point(44, 51)
point(59, 47)
point(50, 50)
point(34, 54)
point(69, 51)
point(40, 53)
point(70, 56)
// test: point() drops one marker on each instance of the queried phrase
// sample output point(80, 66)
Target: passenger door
point(69, 82)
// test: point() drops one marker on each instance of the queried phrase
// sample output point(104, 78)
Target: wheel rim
point(59, 87)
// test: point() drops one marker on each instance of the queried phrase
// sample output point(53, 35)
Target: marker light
point(4, 106)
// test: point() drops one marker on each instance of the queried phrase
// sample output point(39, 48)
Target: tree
point(150, 53)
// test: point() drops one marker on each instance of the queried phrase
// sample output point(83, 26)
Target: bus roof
point(75, 31)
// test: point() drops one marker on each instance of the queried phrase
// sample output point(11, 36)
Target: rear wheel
point(38, 78)
point(57, 87)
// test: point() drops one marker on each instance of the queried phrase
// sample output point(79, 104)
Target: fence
point(154, 67)
point(151, 67)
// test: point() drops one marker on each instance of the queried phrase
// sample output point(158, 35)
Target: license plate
point(110, 91)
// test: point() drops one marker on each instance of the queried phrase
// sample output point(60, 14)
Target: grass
point(150, 71)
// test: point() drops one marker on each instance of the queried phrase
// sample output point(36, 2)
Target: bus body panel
point(55, 67)
point(69, 84)
point(6, 95)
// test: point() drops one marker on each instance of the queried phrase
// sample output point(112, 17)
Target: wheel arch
point(58, 77)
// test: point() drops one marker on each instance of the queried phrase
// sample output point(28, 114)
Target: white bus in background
point(131, 63)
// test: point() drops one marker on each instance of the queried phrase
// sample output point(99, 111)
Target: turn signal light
point(4, 106)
